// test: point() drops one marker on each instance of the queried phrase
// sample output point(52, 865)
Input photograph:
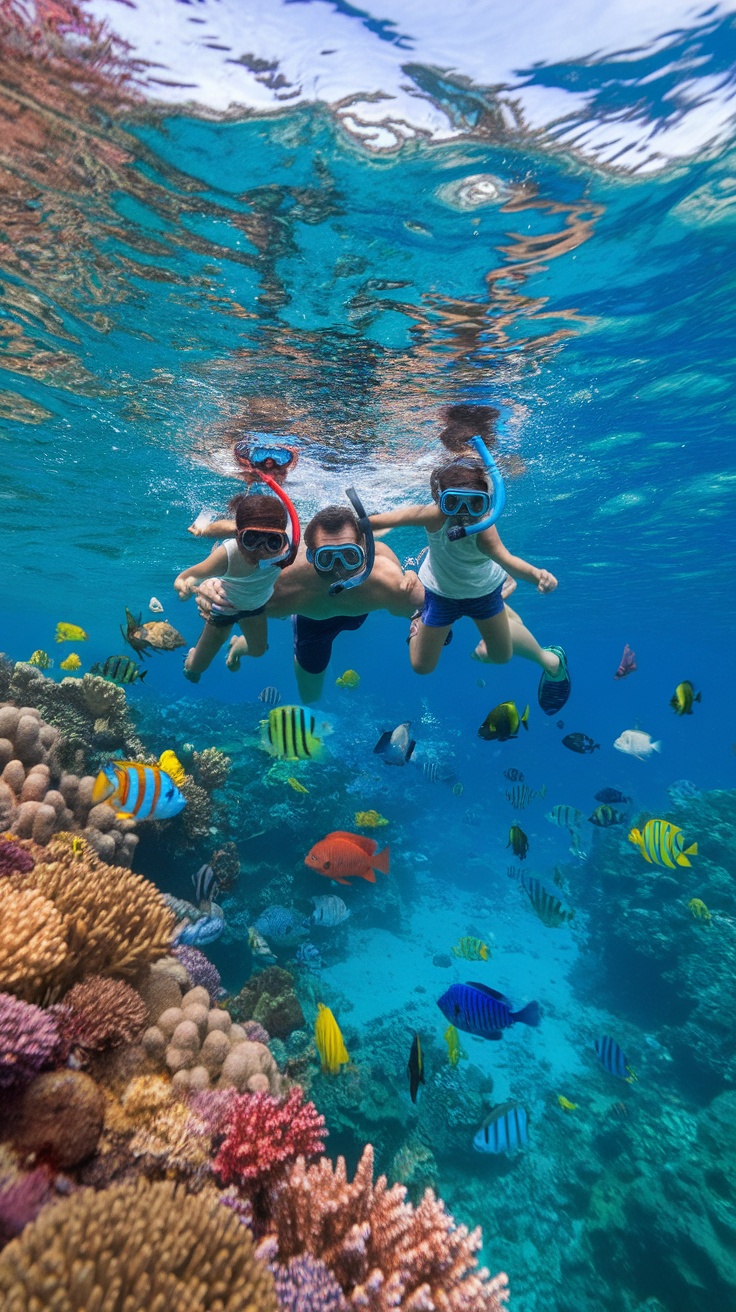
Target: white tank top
point(246, 592)
point(458, 569)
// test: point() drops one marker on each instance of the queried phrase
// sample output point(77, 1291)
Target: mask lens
point(259, 455)
point(350, 556)
point(253, 538)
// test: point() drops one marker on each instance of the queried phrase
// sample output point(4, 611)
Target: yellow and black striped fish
point(663, 844)
point(289, 734)
point(548, 907)
point(521, 795)
point(119, 669)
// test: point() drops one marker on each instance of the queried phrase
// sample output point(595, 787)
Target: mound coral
point(59, 1118)
point(29, 1038)
point(136, 1246)
point(107, 921)
point(200, 1046)
point(383, 1252)
point(264, 1134)
point(199, 969)
point(101, 1013)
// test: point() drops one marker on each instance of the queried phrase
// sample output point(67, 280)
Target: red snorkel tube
point(296, 532)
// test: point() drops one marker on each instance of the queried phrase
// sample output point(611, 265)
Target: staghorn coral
point(200, 970)
point(200, 1045)
point(102, 1013)
point(32, 940)
point(14, 859)
point(112, 922)
point(383, 1252)
point(151, 1246)
point(58, 1119)
point(264, 1134)
point(29, 1038)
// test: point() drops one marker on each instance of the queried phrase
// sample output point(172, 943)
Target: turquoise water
point(170, 281)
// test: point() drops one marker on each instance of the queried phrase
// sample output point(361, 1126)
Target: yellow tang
point(699, 910)
point(170, 762)
point(565, 1103)
point(70, 633)
point(454, 1051)
point(471, 949)
point(370, 819)
point(662, 844)
point(329, 1041)
point(683, 697)
point(41, 660)
point(294, 783)
point(72, 662)
point(289, 733)
point(350, 679)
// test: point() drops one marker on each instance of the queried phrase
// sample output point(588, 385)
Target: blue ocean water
point(177, 274)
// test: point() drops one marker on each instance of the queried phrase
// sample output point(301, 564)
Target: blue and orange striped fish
point(476, 1009)
point(138, 792)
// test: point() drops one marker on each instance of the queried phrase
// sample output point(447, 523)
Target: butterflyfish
point(663, 844)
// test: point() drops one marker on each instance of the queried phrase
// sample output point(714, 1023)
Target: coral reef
point(22, 1195)
point(270, 998)
point(38, 798)
point(226, 864)
point(58, 1118)
point(89, 716)
point(14, 859)
point(29, 1038)
point(211, 769)
point(88, 917)
point(157, 1247)
point(200, 970)
point(200, 1046)
point(306, 1285)
point(264, 1134)
point(101, 1013)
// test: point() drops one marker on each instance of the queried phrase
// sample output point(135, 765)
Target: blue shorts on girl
point(459, 579)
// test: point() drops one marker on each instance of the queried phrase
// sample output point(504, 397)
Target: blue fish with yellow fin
point(138, 792)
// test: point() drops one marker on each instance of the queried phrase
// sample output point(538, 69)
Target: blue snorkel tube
point(364, 524)
point(499, 495)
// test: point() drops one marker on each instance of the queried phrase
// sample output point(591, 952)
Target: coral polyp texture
point(29, 1038)
point(138, 1247)
point(265, 1133)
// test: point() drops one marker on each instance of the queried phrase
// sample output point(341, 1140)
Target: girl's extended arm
point(491, 545)
point(426, 516)
point(215, 564)
point(219, 528)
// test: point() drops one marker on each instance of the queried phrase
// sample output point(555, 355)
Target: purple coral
point(14, 860)
point(21, 1201)
point(213, 1107)
point(28, 1039)
point(256, 1032)
point(306, 1285)
point(200, 969)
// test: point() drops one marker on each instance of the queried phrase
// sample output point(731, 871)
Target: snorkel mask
point(261, 454)
point(468, 502)
point(289, 555)
point(352, 556)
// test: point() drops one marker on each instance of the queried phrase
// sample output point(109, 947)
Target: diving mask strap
point(296, 534)
point(499, 496)
point(364, 524)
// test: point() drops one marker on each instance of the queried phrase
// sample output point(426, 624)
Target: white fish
point(637, 743)
point(155, 605)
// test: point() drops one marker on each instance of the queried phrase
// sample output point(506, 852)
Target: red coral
point(264, 1134)
point(14, 859)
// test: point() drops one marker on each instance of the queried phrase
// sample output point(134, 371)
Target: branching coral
point(32, 940)
point(112, 921)
point(140, 1247)
point(101, 1013)
point(264, 1134)
point(28, 1040)
point(305, 1285)
point(211, 768)
point(383, 1252)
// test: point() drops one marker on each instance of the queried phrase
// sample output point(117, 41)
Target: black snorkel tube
point(364, 524)
point(498, 490)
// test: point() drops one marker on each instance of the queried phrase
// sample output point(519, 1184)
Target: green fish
point(683, 697)
point(518, 842)
point(503, 723)
point(119, 669)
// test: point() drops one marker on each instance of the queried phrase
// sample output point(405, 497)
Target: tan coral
point(33, 940)
point(152, 1244)
point(200, 1047)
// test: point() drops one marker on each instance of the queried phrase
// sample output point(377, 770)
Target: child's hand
point(185, 586)
point(546, 581)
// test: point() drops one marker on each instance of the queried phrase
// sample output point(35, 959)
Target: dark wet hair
point(257, 511)
point(333, 519)
point(458, 473)
point(461, 422)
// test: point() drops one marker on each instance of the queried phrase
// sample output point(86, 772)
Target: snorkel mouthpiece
point(364, 525)
point(499, 496)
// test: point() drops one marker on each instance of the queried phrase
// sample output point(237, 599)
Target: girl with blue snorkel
point(464, 572)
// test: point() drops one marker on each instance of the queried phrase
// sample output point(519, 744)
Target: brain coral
point(135, 1248)
point(59, 1118)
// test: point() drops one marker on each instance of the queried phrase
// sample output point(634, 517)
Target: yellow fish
point(70, 633)
point(294, 783)
point(350, 679)
point(471, 949)
point(172, 766)
point(78, 846)
point(683, 697)
point(699, 910)
point(370, 819)
point(329, 1041)
point(663, 844)
point(72, 662)
point(41, 660)
point(565, 1103)
point(454, 1051)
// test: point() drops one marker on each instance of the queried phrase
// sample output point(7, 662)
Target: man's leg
point(313, 641)
point(310, 685)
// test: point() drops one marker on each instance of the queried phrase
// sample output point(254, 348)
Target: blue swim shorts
point(313, 639)
point(224, 619)
point(439, 612)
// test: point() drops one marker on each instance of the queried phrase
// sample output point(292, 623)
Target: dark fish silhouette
point(613, 796)
point(628, 663)
point(514, 775)
point(580, 742)
point(518, 842)
point(415, 1067)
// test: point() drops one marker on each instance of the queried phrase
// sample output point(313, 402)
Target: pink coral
point(28, 1040)
point(14, 859)
point(264, 1134)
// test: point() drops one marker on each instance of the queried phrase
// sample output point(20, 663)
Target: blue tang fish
point(505, 1130)
point(476, 1009)
point(138, 792)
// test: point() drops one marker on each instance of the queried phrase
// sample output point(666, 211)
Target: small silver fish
point(269, 696)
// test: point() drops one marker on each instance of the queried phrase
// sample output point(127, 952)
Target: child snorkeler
point(466, 577)
point(247, 566)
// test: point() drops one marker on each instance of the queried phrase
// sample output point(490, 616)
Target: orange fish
point(340, 855)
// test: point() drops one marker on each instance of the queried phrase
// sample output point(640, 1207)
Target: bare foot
point(189, 674)
point(238, 649)
point(480, 653)
point(550, 662)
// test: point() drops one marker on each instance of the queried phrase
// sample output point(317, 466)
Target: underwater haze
point(326, 222)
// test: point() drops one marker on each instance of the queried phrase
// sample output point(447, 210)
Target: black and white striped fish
point(270, 696)
point(521, 795)
point(613, 1059)
point(506, 1130)
point(205, 884)
point(547, 905)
